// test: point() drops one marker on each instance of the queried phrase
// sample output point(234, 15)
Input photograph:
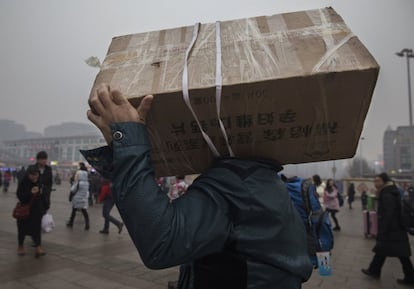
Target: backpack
point(316, 220)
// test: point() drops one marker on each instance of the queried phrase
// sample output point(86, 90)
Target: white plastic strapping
point(186, 95)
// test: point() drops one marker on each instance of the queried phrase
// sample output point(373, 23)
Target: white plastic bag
point(47, 223)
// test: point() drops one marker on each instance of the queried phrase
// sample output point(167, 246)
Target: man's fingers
point(144, 107)
point(95, 103)
point(104, 95)
point(102, 126)
point(118, 98)
point(95, 119)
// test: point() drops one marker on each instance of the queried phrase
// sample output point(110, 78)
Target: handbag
point(22, 211)
point(72, 194)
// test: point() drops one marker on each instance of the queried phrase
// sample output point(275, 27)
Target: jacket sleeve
point(47, 187)
point(165, 233)
point(24, 193)
point(101, 159)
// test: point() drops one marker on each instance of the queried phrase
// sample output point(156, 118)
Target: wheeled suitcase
point(370, 221)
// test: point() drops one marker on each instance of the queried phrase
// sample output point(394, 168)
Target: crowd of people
point(87, 187)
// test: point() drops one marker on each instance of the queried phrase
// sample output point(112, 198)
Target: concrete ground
point(79, 259)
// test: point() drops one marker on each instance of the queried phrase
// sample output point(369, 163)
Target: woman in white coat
point(320, 188)
point(80, 192)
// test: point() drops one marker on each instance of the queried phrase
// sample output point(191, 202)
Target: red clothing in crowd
point(104, 192)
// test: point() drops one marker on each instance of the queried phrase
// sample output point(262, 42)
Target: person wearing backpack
point(315, 219)
point(392, 239)
point(331, 202)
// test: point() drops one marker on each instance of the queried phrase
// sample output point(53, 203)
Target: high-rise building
point(389, 140)
point(398, 148)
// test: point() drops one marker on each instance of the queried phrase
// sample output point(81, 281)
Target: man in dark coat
point(392, 238)
point(234, 228)
point(45, 178)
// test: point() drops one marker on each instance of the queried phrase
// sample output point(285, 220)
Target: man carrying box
point(234, 228)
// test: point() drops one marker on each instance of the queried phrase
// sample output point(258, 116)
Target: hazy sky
point(44, 80)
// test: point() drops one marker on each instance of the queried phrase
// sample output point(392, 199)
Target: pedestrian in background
point(45, 177)
point(105, 196)
point(410, 193)
point(331, 202)
point(392, 238)
point(178, 188)
point(364, 200)
point(20, 174)
point(7, 176)
point(80, 191)
point(28, 191)
point(94, 187)
point(351, 194)
point(14, 174)
point(320, 187)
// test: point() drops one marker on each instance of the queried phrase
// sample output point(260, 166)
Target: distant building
point(70, 129)
point(389, 140)
point(9, 130)
point(398, 148)
point(59, 149)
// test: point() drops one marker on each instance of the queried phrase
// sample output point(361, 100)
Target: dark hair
point(42, 155)
point(317, 180)
point(180, 177)
point(32, 170)
point(82, 166)
point(384, 177)
point(330, 188)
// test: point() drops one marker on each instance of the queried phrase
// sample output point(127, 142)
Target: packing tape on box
point(219, 80)
point(186, 94)
point(329, 42)
point(331, 51)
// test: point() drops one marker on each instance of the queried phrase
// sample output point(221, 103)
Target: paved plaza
point(79, 259)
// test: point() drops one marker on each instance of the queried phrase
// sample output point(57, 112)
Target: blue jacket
point(234, 228)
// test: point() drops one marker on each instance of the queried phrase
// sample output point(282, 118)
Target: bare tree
point(359, 167)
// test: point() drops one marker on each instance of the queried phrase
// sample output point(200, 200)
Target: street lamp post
point(408, 54)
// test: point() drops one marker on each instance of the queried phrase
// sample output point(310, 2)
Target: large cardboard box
point(296, 88)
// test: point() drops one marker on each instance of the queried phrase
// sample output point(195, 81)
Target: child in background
point(364, 200)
